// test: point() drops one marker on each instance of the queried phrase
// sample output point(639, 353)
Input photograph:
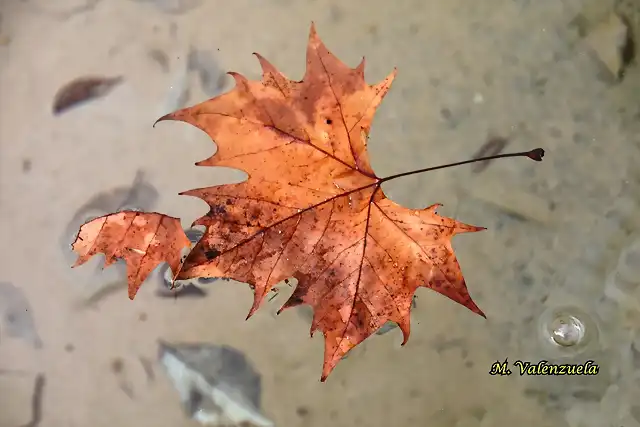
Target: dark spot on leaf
point(255, 215)
point(211, 254)
point(217, 210)
point(229, 202)
point(329, 121)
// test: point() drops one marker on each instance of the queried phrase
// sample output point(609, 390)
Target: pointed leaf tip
point(163, 118)
point(313, 34)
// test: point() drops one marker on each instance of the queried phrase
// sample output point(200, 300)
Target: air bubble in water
point(566, 330)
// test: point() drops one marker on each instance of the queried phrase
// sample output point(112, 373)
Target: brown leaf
point(312, 207)
point(81, 90)
point(142, 239)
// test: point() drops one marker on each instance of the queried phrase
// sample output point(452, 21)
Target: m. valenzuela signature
point(543, 367)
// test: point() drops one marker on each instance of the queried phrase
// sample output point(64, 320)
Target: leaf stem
point(536, 154)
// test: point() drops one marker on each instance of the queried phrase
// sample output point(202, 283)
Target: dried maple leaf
point(143, 239)
point(312, 207)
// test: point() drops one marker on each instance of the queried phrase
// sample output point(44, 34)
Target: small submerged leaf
point(212, 78)
point(81, 90)
point(217, 384)
point(16, 315)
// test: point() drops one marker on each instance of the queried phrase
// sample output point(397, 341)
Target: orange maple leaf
point(312, 207)
point(143, 239)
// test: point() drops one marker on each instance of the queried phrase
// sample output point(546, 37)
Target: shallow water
point(468, 72)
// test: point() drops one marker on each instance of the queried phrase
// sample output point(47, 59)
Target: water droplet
point(566, 330)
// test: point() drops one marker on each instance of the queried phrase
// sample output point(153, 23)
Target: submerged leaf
point(217, 384)
point(81, 90)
